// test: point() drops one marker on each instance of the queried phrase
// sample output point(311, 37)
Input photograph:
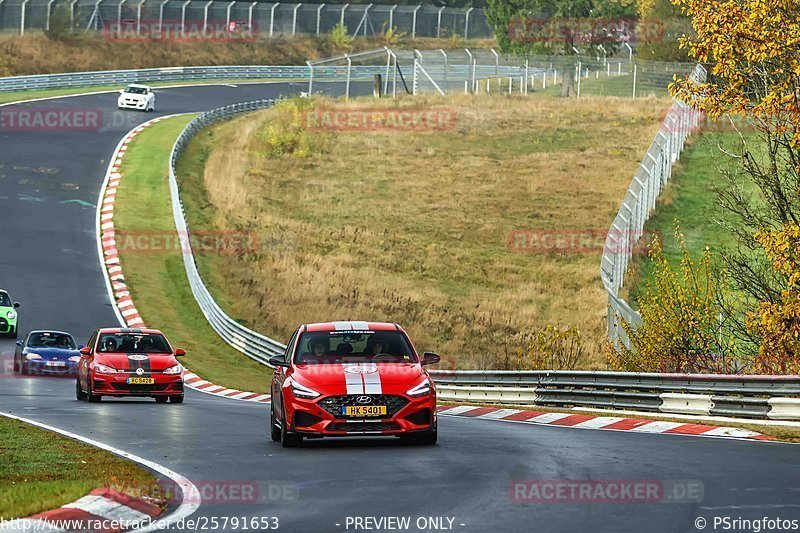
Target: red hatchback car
point(129, 362)
point(341, 379)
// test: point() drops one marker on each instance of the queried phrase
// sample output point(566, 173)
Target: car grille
point(333, 404)
point(363, 426)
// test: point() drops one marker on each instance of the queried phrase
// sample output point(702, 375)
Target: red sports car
point(129, 362)
point(352, 378)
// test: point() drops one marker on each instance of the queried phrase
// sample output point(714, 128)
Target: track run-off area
point(49, 186)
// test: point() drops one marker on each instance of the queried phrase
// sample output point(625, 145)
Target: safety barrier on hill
point(628, 227)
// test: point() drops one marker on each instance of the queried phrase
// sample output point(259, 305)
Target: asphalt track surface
point(49, 183)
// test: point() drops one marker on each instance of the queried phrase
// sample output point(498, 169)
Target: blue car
point(46, 352)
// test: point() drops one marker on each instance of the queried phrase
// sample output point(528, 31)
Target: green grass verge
point(41, 470)
point(157, 281)
point(690, 199)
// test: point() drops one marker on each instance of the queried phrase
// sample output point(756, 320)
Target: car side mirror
point(180, 352)
point(430, 358)
point(85, 350)
point(81, 346)
point(16, 305)
point(19, 343)
point(278, 360)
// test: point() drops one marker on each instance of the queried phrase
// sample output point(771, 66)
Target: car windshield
point(5, 301)
point(51, 339)
point(354, 347)
point(136, 90)
point(133, 343)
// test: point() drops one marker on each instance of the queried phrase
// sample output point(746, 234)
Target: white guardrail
point(628, 227)
point(757, 397)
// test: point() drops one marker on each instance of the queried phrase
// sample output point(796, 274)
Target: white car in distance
point(137, 96)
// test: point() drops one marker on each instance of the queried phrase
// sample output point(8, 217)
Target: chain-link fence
point(487, 71)
point(260, 19)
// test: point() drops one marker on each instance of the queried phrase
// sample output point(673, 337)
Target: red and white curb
point(111, 510)
point(126, 310)
point(194, 381)
point(608, 423)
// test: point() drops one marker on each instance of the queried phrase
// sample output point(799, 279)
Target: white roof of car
point(139, 86)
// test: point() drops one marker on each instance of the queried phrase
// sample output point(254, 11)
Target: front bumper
point(117, 385)
point(315, 417)
point(8, 325)
point(131, 104)
point(42, 367)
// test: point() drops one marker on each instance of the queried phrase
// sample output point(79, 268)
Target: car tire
point(162, 399)
point(288, 440)
point(275, 431)
point(176, 399)
point(79, 394)
point(16, 332)
point(23, 367)
point(428, 438)
point(93, 398)
point(17, 369)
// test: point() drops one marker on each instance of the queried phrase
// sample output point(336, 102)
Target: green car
point(8, 316)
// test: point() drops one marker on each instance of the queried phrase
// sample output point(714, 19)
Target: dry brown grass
point(413, 227)
point(35, 54)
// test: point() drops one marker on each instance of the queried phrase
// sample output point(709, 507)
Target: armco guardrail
point(628, 226)
point(252, 344)
point(761, 397)
point(178, 74)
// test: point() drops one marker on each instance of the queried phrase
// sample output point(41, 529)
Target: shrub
point(340, 37)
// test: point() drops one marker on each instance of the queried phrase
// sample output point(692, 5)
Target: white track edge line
point(183, 510)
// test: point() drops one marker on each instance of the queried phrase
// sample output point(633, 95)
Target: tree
point(666, 17)
point(681, 330)
point(753, 50)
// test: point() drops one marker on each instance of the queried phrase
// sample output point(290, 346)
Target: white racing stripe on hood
point(372, 382)
point(353, 380)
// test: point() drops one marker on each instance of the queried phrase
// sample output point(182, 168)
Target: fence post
point(319, 16)
point(139, 16)
point(250, 17)
point(119, 17)
point(272, 18)
point(205, 16)
point(310, 78)
point(579, 78)
point(466, 22)
point(341, 17)
point(71, 14)
point(444, 74)
point(22, 17)
point(391, 16)
point(183, 17)
point(294, 19)
point(228, 16)
point(496, 62)
point(47, 22)
point(414, 23)
point(634, 80)
point(439, 23)
point(349, 68)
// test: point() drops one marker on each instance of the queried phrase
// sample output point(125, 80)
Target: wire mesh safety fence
point(263, 19)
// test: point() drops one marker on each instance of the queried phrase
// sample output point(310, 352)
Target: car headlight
point(302, 391)
point(30, 356)
point(422, 389)
point(176, 369)
point(104, 369)
point(11, 314)
point(75, 358)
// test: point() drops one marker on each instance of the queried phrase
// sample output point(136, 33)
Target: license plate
point(56, 363)
point(363, 410)
point(141, 381)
